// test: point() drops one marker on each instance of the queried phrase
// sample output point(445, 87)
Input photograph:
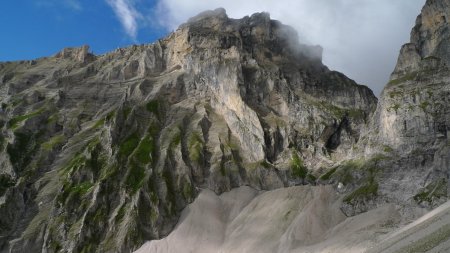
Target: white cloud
point(361, 38)
point(127, 14)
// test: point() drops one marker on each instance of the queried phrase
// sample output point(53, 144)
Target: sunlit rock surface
point(104, 153)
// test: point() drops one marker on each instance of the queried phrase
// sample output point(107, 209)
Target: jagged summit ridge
point(428, 48)
point(219, 21)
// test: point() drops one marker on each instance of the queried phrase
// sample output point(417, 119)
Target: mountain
point(412, 120)
point(227, 134)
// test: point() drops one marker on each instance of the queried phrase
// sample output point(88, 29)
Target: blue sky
point(36, 28)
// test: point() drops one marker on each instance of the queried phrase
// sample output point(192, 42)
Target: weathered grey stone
point(105, 151)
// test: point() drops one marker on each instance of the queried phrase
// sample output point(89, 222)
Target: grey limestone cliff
point(102, 152)
point(411, 125)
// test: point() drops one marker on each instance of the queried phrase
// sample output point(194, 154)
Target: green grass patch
point(110, 115)
point(367, 171)
point(121, 213)
point(54, 141)
point(344, 172)
point(424, 105)
point(74, 192)
point(82, 188)
point(407, 77)
point(14, 122)
point(311, 177)
point(22, 150)
point(356, 113)
point(266, 165)
point(434, 190)
point(395, 93)
point(395, 107)
point(135, 177)
point(154, 107)
point(364, 192)
point(188, 191)
point(16, 101)
point(332, 109)
point(2, 141)
point(176, 140)
point(111, 171)
point(53, 118)
point(129, 145)
point(326, 176)
point(146, 150)
point(297, 166)
point(126, 112)
point(339, 112)
point(195, 146)
point(387, 149)
point(98, 161)
point(99, 123)
point(75, 163)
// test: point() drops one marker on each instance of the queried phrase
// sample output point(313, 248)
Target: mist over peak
point(359, 38)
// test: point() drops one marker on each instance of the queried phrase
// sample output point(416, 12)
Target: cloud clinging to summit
point(361, 38)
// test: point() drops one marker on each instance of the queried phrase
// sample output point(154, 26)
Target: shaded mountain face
point(101, 153)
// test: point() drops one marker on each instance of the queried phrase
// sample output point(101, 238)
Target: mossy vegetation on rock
point(195, 145)
point(298, 168)
point(14, 122)
point(358, 179)
point(432, 192)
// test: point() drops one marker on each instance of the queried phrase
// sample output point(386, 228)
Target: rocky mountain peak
point(253, 32)
point(209, 15)
point(107, 150)
point(412, 119)
point(429, 45)
point(80, 54)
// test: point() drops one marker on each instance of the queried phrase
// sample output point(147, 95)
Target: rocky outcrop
point(429, 41)
point(397, 170)
point(102, 152)
point(81, 54)
point(410, 127)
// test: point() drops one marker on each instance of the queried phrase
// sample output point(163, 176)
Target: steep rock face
point(429, 40)
point(411, 124)
point(100, 153)
point(398, 170)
